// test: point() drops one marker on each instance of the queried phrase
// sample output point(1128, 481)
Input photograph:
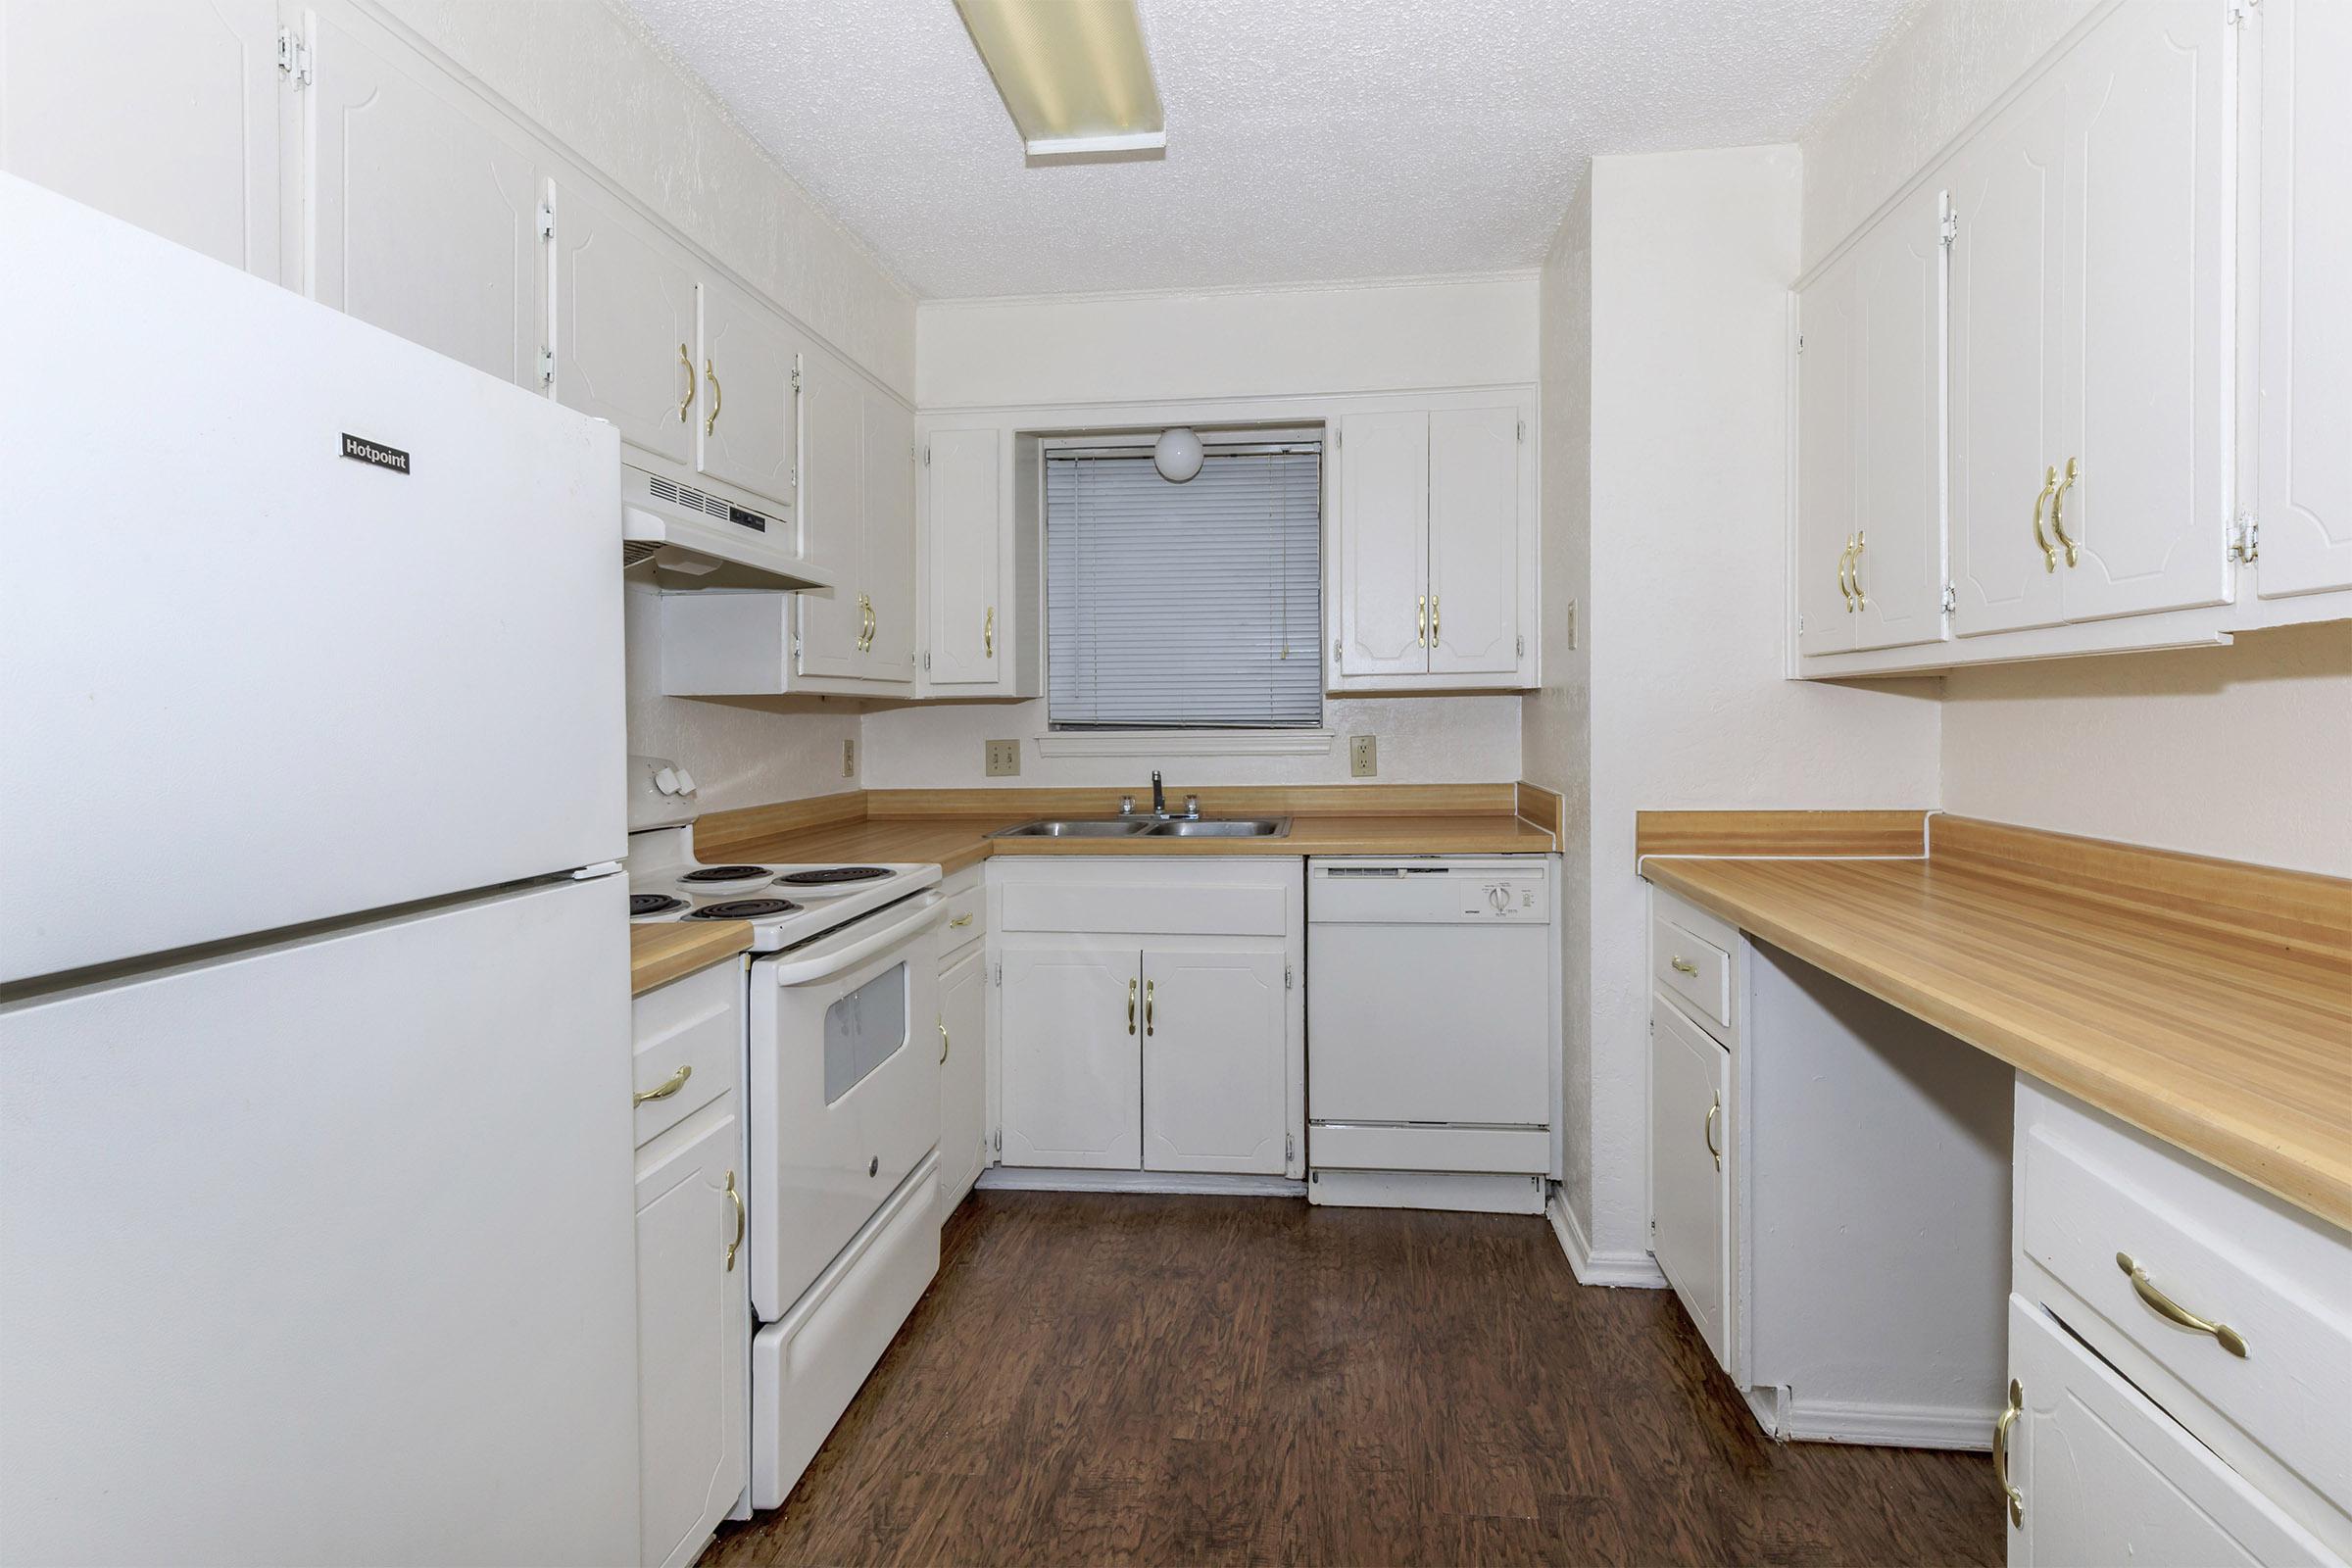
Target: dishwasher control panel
point(1501, 899)
point(1436, 890)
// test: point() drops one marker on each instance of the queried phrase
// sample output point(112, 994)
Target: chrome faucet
point(1160, 796)
point(1159, 803)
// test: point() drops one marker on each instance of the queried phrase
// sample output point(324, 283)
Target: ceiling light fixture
point(1177, 455)
point(1074, 73)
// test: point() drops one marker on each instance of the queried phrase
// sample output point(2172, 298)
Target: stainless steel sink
point(1232, 827)
point(1076, 828)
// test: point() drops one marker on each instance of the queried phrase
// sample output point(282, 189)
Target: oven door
point(843, 1089)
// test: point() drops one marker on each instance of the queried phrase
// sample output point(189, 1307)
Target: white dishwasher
point(1431, 1029)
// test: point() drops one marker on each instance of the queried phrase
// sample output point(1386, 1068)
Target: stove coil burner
point(743, 909)
point(653, 904)
point(724, 873)
point(832, 874)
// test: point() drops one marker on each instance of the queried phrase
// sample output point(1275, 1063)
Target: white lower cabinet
point(1073, 1087)
point(1215, 1079)
point(1689, 1180)
point(962, 1040)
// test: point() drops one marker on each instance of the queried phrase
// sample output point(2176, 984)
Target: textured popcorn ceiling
point(1308, 141)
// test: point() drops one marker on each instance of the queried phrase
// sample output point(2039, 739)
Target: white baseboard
point(1633, 1270)
point(1890, 1426)
point(1026, 1179)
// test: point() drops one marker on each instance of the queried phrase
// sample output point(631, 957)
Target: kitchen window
point(1194, 606)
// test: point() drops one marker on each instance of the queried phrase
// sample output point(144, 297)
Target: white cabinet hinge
point(293, 57)
point(926, 454)
point(2240, 11)
point(1288, 980)
point(926, 658)
point(1951, 228)
point(2245, 539)
point(1522, 429)
point(1800, 625)
point(997, 1140)
point(1522, 647)
point(547, 367)
point(1335, 440)
point(1334, 650)
point(1801, 342)
point(1951, 598)
point(796, 375)
point(1290, 1148)
point(547, 220)
point(999, 981)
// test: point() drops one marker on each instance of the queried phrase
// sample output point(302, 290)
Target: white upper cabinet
point(163, 112)
point(832, 624)
point(1827, 434)
point(964, 557)
point(1473, 624)
point(2303, 452)
point(887, 552)
point(423, 209)
point(748, 417)
point(625, 324)
point(1382, 544)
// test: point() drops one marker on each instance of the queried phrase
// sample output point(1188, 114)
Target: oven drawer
point(1696, 970)
point(687, 1041)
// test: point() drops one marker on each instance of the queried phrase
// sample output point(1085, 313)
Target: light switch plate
point(1363, 755)
point(848, 759)
point(1004, 758)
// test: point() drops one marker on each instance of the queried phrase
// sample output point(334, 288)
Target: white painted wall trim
point(1025, 1179)
point(1187, 743)
point(1622, 1270)
point(1098, 415)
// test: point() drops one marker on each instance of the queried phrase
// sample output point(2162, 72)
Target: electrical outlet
point(1363, 755)
point(1004, 758)
point(848, 759)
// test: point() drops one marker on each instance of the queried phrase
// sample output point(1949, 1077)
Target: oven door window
point(863, 1030)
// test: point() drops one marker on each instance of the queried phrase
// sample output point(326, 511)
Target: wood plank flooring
point(1123, 1379)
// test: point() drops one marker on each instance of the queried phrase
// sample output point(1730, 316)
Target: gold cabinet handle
point(2074, 471)
point(1709, 1128)
point(1844, 588)
point(2000, 1452)
point(1433, 620)
point(942, 1041)
point(960, 921)
point(1854, 574)
point(1683, 965)
point(1149, 986)
point(1421, 621)
point(2173, 1311)
point(1131, 1007)
point(691, 388)
point(873, 624)
point(711, 419)
point(2050, 555)
point(741, 1220)
point(988, 634)
point(669, 1085)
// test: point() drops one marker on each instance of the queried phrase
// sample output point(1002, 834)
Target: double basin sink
point(1138, 827)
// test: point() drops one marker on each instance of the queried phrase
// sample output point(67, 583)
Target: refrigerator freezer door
point(254, 681)
point(324, 1252)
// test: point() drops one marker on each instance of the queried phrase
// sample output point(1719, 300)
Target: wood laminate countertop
point(660, 953)
point(2207, 1003)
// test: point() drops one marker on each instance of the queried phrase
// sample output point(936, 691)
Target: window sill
point(1187, 743)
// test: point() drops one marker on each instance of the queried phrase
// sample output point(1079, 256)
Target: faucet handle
point(1126, 806)
point(1192, 806)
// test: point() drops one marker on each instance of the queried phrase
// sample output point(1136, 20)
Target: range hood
point(677, 537)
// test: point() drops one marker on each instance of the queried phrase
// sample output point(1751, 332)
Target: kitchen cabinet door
point(1383, 543)
point(625, 324)
point(424, 207)
point(1689, 1179)
point(963, 558)
point(750, 423)
point(1474, 523)
point(2004, 367)
point(1828, 492)
point(963, 1076)
point(163, 112)
point(2304, 442)
point(832, 514)
point(692, 1330)
point(1897, 570)
point(888, 551)
point(2144, 350)
point(1069, 1058)
point(1216, 1063)
point(2102, 1475)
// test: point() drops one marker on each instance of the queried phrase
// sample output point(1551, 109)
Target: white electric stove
point(785, 905)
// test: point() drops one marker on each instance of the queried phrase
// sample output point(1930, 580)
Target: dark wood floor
point(1098, 1379)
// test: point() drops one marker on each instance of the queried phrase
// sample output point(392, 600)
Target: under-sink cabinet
point(1150, 1016)
point(693, 1300)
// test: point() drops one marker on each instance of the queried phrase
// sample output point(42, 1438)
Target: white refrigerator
point(316, 1214)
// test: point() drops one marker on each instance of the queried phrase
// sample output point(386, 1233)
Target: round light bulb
point(1177, 455)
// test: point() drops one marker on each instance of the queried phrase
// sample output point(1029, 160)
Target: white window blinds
point(1184, 606)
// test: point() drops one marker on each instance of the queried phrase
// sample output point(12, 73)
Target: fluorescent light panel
point(1073, 72)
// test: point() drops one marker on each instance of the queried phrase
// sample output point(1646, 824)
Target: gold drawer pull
point(739, 1222)
point(2000, 1452)
point(2049, 554)
point(960, 921)
point(1713, 1111)
point(1683, 965)
point(2173, 1311)
point(691, 388)
point(2074, 471)
point(988, 634)
point(1846, 558)
point(1148, 988)
point(1131, 1007)
point(669, 1085)
point(1421, 621)
point(1433, 620)
point(943, 1040)
point(711, 419)
point(1861, 543)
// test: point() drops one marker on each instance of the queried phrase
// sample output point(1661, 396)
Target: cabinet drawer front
point(1147, 908)
point(1692, 968)
point(967, 921)
point(691, 1026)
point(2092, 1192)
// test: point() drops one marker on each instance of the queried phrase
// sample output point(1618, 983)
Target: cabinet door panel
point(888, 575)
point(832, 514)
point(1216, 1071)
point(1827, 488)
point(963, 1076)
point(750, 427)
point(2145, 348)
point(163, 112)
point(625, 305)
point(2305, 456)
point(1474, 542)
point(692, 1327)
point(1898, 521)
point(1383, 540)
point(1690, 1183)
point(964, 558)
point(1069, 1058)
point(2005, 304)
point(423, 216)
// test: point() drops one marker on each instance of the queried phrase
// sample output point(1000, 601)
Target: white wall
point(1691, 258)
